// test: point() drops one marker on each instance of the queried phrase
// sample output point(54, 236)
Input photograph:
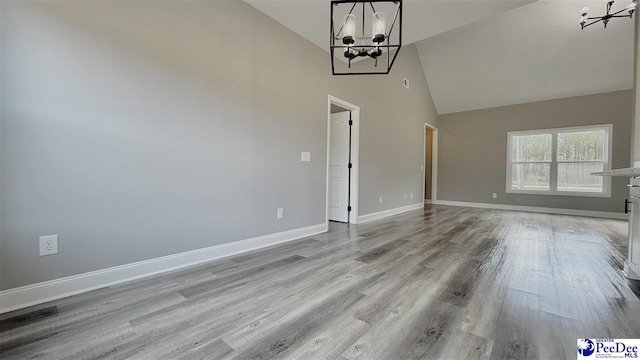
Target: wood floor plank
point(402, 319)
point(27, 318)
point(464, 345)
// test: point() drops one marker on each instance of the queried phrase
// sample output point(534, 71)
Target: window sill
point(560, 193)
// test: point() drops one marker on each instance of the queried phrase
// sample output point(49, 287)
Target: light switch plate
point(305, 156)
point(48, 245)
point(280, 213)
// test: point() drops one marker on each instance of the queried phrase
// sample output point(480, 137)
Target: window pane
point(581, 145)
point(530, 176)
point(531, 147)
point(576, 177)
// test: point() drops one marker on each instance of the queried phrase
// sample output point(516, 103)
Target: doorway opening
point(430, 163)
point(343, 129)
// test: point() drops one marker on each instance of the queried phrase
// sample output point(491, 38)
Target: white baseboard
point(628, 273)
point(386, 213)
point(25, 296)
point(536, 209)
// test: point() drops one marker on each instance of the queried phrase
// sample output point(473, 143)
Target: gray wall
point(336, 109)
point(473, 145)
point(141, 129)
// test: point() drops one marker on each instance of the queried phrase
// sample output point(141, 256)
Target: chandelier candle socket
point(351, 41)
point(586, 21)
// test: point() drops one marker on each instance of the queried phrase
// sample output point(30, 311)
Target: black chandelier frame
point(371, 51)
point(608, 16)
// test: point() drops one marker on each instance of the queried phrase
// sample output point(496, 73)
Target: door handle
point(632, 185)
point(626, 206)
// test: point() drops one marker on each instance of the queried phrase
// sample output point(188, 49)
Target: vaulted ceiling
point(422, 18)
point(486, 53)
point(532, 53)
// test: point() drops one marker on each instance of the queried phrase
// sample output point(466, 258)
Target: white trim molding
point(536, 209)
point(386, 213)
point(355, 156)
point(628, 271)
point(29, 295)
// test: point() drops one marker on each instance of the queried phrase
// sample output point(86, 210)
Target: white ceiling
point(485, 53)
point(421, 18)
point(532, 53)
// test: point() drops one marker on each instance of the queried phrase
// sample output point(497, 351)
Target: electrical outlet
point(280, 213)
point(48, 245)
point(405, 196)
point(380, 200)
point(405, 83)
point(412, 195)
point(495, 195)
point(305, 156)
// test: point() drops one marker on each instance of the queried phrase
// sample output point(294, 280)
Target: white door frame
point(355, 160)
point(434, 164)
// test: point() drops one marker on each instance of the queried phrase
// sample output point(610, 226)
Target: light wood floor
point(446, 282)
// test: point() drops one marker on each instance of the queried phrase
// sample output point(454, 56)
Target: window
point(559, 161)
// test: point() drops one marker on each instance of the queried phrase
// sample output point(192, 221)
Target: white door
point(339, 167)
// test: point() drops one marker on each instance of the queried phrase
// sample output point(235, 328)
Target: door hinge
point(350, 165)
point(350, 122)
point(348, 208)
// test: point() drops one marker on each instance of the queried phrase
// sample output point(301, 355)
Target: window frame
point(553, 172)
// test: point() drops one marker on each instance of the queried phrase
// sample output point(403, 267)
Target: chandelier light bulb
point(632, 6)
point(585, 11)
point(378, 27)
point(349, 29)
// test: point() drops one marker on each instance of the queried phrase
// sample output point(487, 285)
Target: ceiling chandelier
point(358, 48)
point(586, 21)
